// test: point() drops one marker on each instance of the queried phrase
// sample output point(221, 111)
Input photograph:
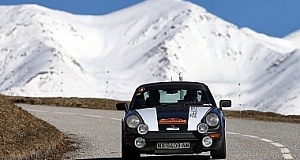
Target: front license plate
point(176, 145)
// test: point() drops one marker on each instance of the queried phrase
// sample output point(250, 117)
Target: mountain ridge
point(107, 56)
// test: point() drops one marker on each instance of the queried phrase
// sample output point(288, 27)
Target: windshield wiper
point(158, 105)
point(164, 105)
point(199, 103)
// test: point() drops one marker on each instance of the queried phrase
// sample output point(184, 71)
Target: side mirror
point(122, 106)
point(225, 103)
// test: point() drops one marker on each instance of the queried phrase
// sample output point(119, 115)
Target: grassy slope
point(23, 135)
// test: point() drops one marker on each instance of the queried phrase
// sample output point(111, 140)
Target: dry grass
point(93, 103)
point(23, 136)
point(263, 116)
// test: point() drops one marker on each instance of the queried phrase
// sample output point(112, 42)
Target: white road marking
point(287, 156)
point(93, 116)
point(67, 113)
point(64, 113)
point(266, 140)
point(250, 136)
point(285, 152)
point(117, 119)
point(278, 145)
point(233, 133)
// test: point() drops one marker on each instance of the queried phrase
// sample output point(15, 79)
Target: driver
point(191, 95)
point(153, 99)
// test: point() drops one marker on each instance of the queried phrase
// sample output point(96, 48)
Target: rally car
point(173, 118)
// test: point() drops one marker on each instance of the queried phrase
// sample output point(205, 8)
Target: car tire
point(127, 154)
point(221, 153)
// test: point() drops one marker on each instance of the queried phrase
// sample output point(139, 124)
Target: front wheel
point(127, 154)
point(221, 153)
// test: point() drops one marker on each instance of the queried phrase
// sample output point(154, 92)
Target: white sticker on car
point(195, 116)
point(149, 116)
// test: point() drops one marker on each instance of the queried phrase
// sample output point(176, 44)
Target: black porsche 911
point(173, 118)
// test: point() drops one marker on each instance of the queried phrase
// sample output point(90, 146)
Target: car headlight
point(207, 141)
point(143, 129)
point(133, 121)
point(212, 119)
point(202, 128)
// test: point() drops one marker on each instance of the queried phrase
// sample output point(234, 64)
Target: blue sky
point(272, 17)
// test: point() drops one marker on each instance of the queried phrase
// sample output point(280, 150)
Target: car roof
point(175, 84)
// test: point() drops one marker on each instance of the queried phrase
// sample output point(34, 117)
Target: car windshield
point(165, 97)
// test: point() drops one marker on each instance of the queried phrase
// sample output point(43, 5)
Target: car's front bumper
point(152, 138)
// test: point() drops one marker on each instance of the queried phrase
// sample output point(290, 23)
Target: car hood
point(173, 119)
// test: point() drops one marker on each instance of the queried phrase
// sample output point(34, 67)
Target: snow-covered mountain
point(295, 37)
point(46, 52)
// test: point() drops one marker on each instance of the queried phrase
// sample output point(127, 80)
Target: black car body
point(173, 118)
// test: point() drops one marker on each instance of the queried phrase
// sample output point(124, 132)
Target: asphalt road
point(98, 132)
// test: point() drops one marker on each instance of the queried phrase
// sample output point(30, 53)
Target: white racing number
point(193, 112)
